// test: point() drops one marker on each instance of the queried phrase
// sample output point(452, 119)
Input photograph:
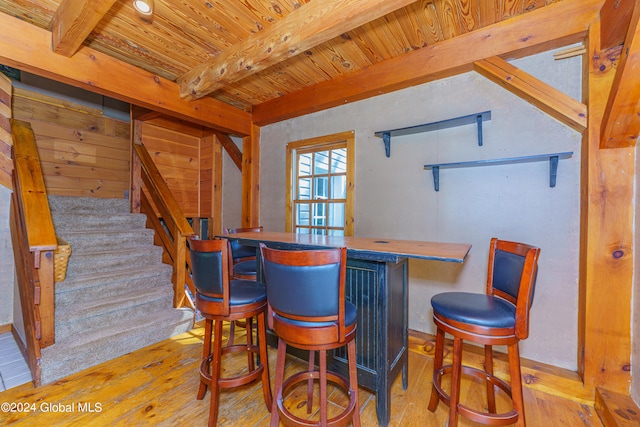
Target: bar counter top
point(388, 250)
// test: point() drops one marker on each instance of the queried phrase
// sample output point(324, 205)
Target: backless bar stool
point(307, 310)
point(498, 317)
point(219, 299)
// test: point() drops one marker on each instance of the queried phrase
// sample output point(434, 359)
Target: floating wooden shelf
point(552, 157)
point(477, 118)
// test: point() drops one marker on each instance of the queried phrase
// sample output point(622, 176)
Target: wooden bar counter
point(377, 271)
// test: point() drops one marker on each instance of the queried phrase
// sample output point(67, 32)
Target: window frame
point(327, 142)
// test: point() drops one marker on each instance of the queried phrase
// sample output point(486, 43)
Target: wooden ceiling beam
point(73, 22)
point(552, 26)
point(621, 120)
point(232, 149)
point(615, 17)
point(557, 104)
point(304, 28)
point(27, 47)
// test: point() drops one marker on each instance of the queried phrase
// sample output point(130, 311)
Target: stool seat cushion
point(245, 268)
point(241, 292)
point(350, 317)
point(475, 309)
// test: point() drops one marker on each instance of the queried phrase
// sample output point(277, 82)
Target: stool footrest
point(230, 382)
point(482, 417)
point(340, 420)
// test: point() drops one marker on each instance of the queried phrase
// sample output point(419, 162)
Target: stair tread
point(95, 279)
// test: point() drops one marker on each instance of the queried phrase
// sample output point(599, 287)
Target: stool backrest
point(210, 267)
point(512, 274)
point(306, 285)
point(239, 251)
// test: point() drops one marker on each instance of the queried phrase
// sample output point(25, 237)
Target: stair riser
point(108, 290)
point(101, 263)
point(88, 204)
point(110, 313)
point(89, 242)
point(72, 222)
point(145, 273)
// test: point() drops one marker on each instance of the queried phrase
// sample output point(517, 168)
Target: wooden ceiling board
point(448, 17)
point(487, 13)
point(427, 18)
point(35, 12)
point(509, 8)
point(468, 15)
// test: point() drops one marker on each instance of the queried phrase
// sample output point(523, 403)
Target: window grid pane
point(321, 179)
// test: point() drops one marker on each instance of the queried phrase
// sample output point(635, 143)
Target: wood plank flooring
point(157, 386)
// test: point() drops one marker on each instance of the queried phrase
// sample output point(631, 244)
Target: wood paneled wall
point(176, 156)
point(6, 141)
point(83, 152)
point(189, 158)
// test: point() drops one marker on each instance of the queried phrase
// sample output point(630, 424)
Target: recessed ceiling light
point(144, 7)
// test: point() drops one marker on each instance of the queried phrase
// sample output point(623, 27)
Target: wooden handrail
point(34, 242)
point(39, 224)
point(172, 231)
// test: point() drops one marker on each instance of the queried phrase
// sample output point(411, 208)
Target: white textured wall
point(394, 197)
point(7, 268)
point(231, 190)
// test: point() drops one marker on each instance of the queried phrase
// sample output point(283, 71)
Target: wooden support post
point(251, 179)
point(606, 259)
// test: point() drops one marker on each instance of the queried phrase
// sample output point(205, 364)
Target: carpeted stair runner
point(117, 295)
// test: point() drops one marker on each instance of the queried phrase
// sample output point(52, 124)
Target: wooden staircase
point(117, 296)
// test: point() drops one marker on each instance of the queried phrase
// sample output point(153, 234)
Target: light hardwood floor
point(157, 386)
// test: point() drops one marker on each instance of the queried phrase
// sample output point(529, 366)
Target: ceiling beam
point(73, 22)
point(621, 120)
point(614, 17)
point(547, 98)
point(304, 28)
point(232, 149)
point(552, 26)
point(27, 47)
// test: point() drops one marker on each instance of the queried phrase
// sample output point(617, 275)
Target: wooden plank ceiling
point(187, 38)
point(253, 54)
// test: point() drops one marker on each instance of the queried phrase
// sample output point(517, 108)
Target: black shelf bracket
point(477, 118)
point(552, 157)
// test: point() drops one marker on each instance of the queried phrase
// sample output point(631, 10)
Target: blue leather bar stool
point(219, 299)
point(244, 257)
point(307, 310)
point(245, 265)
point(498, 317)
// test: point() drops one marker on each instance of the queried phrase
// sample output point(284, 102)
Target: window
point(320, 185)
